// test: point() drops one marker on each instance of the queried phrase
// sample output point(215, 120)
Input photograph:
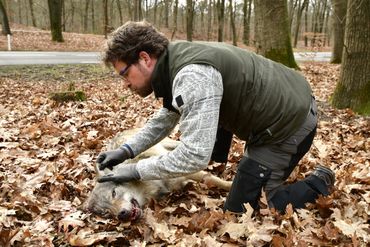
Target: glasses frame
point(123, 72)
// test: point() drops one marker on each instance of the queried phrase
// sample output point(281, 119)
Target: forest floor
point(48, 149)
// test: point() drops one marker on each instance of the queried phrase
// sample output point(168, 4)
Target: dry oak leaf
point(72, 220)
point(87, 237)
point(161, 229)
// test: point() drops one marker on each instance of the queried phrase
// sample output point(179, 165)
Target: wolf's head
point(123, 201)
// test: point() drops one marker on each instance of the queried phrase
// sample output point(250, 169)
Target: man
point(214, 90)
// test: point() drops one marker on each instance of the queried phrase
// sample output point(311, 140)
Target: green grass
point(61, 73)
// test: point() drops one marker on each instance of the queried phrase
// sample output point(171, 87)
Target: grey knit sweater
point(201, 89)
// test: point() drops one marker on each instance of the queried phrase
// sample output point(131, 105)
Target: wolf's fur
point(125, 201)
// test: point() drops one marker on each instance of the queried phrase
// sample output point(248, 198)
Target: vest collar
point(161, 82)
point(160, 77)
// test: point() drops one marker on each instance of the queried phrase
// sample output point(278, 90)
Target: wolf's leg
point(210, 180)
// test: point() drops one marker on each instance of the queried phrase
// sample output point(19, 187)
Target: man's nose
point(126, 85)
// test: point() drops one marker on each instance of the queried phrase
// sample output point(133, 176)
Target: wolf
point(125, 201)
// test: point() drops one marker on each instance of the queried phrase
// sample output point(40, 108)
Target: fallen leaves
point(47, 154)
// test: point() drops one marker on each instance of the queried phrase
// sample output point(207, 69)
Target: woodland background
point(48, 148)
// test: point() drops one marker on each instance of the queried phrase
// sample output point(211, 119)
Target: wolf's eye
point(113, 193)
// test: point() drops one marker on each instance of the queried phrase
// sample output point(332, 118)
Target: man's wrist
point(126, 148)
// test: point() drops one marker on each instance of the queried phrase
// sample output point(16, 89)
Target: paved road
point(25, 57)
point(15, 57)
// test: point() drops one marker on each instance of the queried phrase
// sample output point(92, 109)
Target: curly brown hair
point(127, 41)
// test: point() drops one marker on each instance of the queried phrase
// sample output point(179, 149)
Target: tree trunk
point(93, 17)
point(209, 20)
point(221, 19)
point(273, 38)
point(72, 14)
point(326, 26)
point(175, 9)
point(130, 9)
point(105, 12)
point(189, 20)
point(339, 22)
point(291, 11)
point(353, 88)
point(202, 8)
point(86, 14)
point(155, 12)
point(137, 10)
point(55, 14)
point(32, 13)
point(64, 18)
point(314, 21)
point(5, 21)
point(306, 25)
point(232, 23)
point(247, 7)
point(298, 20)
point(166, 13)
point(20, 16)
point(119, 12)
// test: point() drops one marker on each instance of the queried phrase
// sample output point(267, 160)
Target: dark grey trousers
point(268, 166)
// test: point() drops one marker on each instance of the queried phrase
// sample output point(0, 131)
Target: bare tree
point(209, 20)
point(166, 13)
point(232, 22)
point(221, 19)
point(339, 22)
point(55, 14)
point(247, 9)
point(85, 16)
point(64, 17)
point(129, 7)
point(301, 7)
point(189, 20)
point(353, 88)
point(5, 21)
point(119, 8)
point(306, 25)
point(320, 7)
point(175, 9)
point(105, 11)
point(137, 10)
point(292, 6)
point(30, 2)
point(93, 17)
point(273, 31)
point(155, 12)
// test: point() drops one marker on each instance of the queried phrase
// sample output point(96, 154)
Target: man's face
point(137, 76)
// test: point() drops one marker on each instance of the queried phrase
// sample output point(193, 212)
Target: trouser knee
point(247, 185)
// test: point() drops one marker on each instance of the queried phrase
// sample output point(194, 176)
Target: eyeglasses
point(123, 72)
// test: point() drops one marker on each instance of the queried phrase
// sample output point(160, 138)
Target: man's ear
point(147, 59)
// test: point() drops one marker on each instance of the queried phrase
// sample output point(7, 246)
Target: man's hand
point(125, 173)
point(112, 158)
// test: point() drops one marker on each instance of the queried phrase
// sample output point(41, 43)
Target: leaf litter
point(47, 154)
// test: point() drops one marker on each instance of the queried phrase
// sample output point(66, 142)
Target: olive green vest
point(263, 101)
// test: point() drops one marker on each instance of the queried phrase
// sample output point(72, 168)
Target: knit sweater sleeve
point(197, 93)
point(157, 128)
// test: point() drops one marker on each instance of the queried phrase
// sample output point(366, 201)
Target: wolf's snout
point(124, 215)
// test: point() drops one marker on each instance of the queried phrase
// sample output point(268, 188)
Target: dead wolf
point(125, 201)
